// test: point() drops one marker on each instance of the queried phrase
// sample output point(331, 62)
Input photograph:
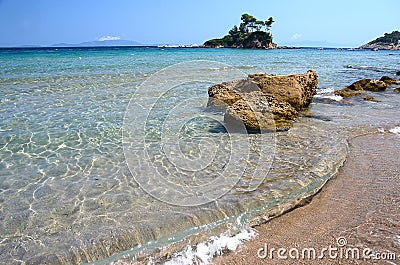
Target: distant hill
point(317, 44)
point(389, 41)
point(30, 46)
point(100, 43)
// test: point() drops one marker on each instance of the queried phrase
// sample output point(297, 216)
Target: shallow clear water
point(70, 194)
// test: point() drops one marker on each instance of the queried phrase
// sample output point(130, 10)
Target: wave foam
point(327, 93)
point(214, 246)
point(371, 68)
point(395, 130)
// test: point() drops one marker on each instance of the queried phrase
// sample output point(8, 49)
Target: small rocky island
point(251, 34)
point(390, 41)
point(263, 101)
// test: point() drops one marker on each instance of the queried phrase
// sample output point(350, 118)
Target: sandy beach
point(356, 214)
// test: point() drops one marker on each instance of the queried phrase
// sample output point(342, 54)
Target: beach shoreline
point(354, 211)
point(67, 193)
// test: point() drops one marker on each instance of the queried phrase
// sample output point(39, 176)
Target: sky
point(347, 23)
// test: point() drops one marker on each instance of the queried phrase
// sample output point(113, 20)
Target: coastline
point(119, 198)
point(358, 205)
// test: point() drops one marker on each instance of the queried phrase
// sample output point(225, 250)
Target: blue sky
point(46, 22)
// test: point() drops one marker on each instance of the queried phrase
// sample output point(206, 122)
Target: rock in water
point(228, 93)
point(264, 101)
point(347, 92)
point(369, 98)
point(389, 81)
point(297, 89)
point(360, 86)
point(368, 84)
point(258, 110)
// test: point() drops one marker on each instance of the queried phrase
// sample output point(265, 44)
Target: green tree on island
point(389, 41)
point(268, 23)
point(388, 38)
point(249, 34)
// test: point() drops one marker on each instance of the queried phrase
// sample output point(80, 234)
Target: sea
point(111, 155)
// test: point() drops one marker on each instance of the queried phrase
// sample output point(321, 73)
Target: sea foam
point(328, 94)
point(203, 252)
point(395, 130)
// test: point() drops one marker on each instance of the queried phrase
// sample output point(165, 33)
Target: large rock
point(297, 89)
point(228, 93)
point(260, 111)
point(264, 101)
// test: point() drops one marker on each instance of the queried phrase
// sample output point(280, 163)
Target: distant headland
point(251, 34)
point(100, 43)
point(389, 41)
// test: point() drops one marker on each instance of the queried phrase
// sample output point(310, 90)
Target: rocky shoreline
point(264, 102)
point(380, 46)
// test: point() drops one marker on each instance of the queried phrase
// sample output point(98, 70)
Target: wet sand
point(358, 209)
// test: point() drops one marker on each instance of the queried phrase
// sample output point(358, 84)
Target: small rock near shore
point(360, 86)
point(368, 84)
point(369, 98)
point(389, 81)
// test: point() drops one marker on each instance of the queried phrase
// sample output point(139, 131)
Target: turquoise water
point(69, 193)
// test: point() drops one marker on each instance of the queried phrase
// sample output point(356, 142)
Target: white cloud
point(109, 38)
point(296, 36)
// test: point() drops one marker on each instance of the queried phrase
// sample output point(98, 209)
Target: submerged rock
point(264, 101)
point(397, 89)
point(369, 98)
point(347, 92)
